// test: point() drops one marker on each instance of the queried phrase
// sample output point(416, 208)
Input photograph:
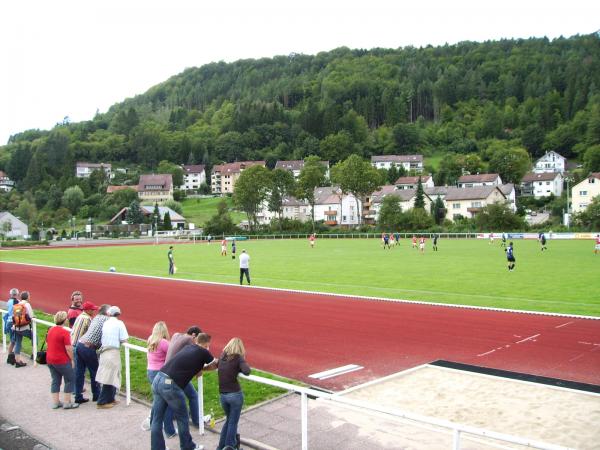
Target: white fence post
point(456, 439)
point(304, 408)
point(34, 343)
point(127, 375)
point(201, 403)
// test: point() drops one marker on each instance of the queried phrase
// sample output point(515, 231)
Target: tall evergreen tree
point(134, 214)
point(420, 196)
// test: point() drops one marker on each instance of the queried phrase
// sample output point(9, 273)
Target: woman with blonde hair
point(231, 363)
point(158, 345)
point(59, 357)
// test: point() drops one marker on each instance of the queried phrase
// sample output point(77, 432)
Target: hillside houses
point(585, 191)
point(413, 182)
point(410, 163)
point(296, 167)
point(542, 184)
point(224, 176)
point(478, 180)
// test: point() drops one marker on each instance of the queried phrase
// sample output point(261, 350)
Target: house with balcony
point(155, 188)
point(550, 162)
point(478, 180)
point(224, 176)
point(585, 191)
point(296, 167)
point(193, 177)
point(542, 184)
point(6, 184)
point(407, 199)
point(410, 163)
point(467, 202)
point(292, 209)
point(85, 169)
point(413, 182)
point(336, 208)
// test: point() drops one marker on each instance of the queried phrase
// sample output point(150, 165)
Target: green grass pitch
point(563, 279)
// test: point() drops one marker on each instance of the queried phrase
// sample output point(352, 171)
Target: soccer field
point(563, 279)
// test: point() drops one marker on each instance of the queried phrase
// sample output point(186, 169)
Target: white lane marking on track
point(335, 372)
point(487, 353)
point(528, 338)
point(564, 325)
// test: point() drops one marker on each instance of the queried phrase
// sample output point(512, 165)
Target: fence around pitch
point(457, 429)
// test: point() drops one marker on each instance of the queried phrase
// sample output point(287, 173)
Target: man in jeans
point(86, 356)
point(168, 386)
point(179, 341)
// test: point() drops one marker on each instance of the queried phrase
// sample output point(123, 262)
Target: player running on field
point(543, 241)
point(311, 239)
point(435, 239)
point(386, 241)
point(414, 241)
point(224, 247)
point(597, 247)
point(422, 244)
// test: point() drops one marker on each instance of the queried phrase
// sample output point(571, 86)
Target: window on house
point(583, 193)
point(455, 205)
point(344, 218)
point(475, 204)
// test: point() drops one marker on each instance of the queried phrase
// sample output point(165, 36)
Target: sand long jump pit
point(540, 412)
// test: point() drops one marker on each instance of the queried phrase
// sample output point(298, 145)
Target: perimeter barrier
point(458, 430)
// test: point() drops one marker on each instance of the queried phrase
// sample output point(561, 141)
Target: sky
point(72, 58)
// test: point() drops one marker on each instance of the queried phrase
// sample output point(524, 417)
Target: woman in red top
point(60, 361)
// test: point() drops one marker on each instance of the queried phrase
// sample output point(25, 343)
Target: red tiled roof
point(158, 182)
point(544, 176)
point(412, 180)
point(195, 168)
point(236, 167)
point(478, 178)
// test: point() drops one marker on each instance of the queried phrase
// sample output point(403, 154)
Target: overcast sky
point(74, 57)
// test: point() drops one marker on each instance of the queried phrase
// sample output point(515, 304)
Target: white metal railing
point(457, 429)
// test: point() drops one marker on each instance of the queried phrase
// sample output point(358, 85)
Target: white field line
point(329, 294)
point(528, 338)
point(335, 372)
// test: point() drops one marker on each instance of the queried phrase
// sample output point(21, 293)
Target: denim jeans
point(19, 335)
point(232, 405)
point(167, 393)
point(60, 372)
point(168, 421)
point(107, 394)
point(85, 357)
point(192, 396)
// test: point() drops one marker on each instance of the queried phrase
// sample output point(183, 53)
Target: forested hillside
point(469, 102)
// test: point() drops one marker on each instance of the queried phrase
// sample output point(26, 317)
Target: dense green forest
point(468, 102)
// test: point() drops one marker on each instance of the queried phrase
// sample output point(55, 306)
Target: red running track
point(298, 334)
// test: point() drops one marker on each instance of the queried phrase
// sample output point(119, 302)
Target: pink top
point(156, 359)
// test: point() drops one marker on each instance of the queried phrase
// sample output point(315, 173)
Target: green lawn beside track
point(563, 279)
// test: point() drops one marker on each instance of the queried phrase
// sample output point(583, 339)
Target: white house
point(85, 169)
point(409, 162)
point(550, 162)
point(193, 177)
point(296, 167)
point(407, 200)
point(177, 220)
point(336, 208)
point(6, 184)
point(478, 180)
point(585, 191)
point(508, 190)
point(292, 208)
point(413, 182)
point(467, 202)
point(11, 226)
point(542, 184)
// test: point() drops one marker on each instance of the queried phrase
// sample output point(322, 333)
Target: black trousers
point(242, 272)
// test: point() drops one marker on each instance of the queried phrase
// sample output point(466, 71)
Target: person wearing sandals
point(231, 363)
point(59, 357)
point(158, 345)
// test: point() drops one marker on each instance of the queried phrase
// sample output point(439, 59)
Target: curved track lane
point(298, 334)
